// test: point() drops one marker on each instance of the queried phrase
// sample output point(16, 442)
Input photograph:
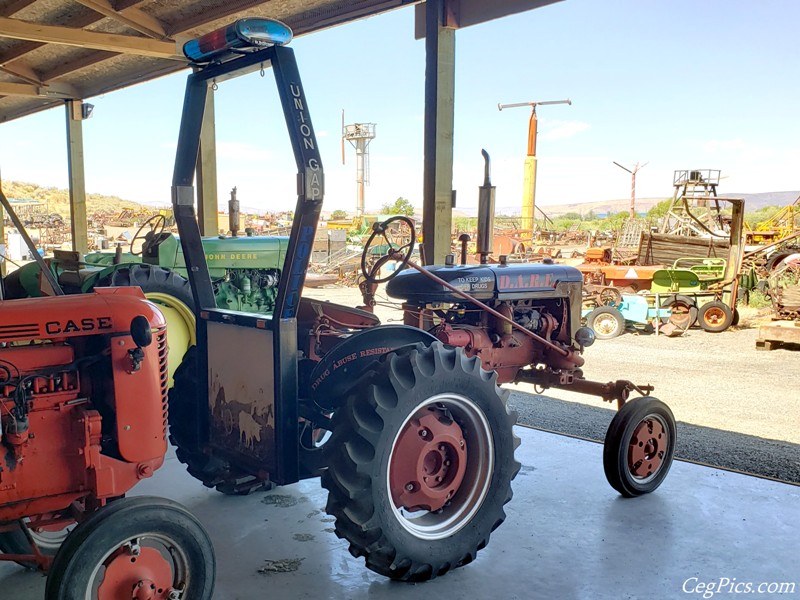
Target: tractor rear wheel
point(173, 295)
point(140, 547)
point(420, 462)
point(212, 471)
point(639, 446)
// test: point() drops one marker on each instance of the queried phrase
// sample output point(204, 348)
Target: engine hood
point(483, 282)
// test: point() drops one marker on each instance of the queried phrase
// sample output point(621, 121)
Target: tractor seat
point(73, 272)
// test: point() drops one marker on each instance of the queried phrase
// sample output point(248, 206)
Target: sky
point(676, 84)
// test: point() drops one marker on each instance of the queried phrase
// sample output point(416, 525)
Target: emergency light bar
point(245, 35)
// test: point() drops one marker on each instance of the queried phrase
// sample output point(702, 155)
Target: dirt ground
point(713, 380)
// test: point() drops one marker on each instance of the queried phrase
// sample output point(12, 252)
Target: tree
point(401, 206)
point(660, 209)
point(338, 214)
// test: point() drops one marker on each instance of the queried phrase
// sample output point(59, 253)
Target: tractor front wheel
point(420, 462)
point(48, 540)
point(140, 547)
point(639, 446)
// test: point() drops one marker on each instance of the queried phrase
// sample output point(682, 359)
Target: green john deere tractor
point(244, 271)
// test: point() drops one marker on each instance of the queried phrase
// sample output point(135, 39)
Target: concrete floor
point(568, 535)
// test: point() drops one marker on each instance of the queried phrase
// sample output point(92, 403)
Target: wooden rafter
point(20, 50)
point(23, 72)
point(132, 17)
point(224, 9)
point(39, 91)
point(110, 42)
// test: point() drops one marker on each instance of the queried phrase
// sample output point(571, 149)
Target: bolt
point(447, 463)
point(461, 443)
point(423, 433)
point(134, 548)
point(409, 487)
point(441, 448)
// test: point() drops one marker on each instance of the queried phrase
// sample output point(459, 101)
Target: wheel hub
point(606, 325)
point(146, 576)
point(428, 463)
point(647, 447)
point(715, 316)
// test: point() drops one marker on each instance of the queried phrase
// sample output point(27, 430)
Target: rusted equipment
point(83, 407)
point(779, 335)
point(522, 321)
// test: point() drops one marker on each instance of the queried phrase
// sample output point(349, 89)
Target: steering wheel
point(398, 250)
point(156, 229)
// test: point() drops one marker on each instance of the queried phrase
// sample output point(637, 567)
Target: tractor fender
point(340, 368)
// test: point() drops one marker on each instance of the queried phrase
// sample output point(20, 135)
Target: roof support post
point(3, 249)
point(440, 53)
point(77, 179)
point(207, 170)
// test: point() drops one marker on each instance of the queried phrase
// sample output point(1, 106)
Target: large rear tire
point(171, 292)
point(150, 278)
point(134, 548)
point(420, 462)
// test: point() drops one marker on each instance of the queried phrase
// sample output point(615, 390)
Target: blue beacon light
point(244, 35)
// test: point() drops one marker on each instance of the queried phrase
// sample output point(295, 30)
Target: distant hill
point(57, 200)
point(752, 202)
point(601, 206)
point(760, 200)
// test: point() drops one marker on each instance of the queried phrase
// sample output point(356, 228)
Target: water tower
point(359, 135)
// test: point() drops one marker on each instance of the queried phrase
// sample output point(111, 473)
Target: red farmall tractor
point(405, 424)
point(83, 419)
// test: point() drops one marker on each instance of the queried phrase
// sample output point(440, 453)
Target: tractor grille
point(163, 352)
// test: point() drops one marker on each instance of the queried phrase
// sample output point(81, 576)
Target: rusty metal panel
point(241, 391)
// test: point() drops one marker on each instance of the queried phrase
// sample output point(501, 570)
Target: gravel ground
point(736, 407)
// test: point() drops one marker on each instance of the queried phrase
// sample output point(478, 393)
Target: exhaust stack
point(485, 213)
